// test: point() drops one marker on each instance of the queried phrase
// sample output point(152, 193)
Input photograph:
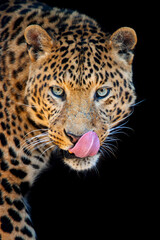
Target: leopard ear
point(38, 41)
point(124, 40)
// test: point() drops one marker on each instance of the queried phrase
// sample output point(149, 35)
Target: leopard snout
point(73, 138)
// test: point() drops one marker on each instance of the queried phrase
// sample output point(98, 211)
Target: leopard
point(61, 78)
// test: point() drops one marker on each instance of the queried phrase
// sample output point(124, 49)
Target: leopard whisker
point(118, 126)
point(109, 144)
point(24, 138)
point(108, 150)
point(29, 140)
point(121, 120)
point(110, 138)
point(137, 103)
point(118, 129)
point(33, 144)
point(47, 149)
point(42, 145)
point(38, 136)
point(101, 151)
point(36, 130)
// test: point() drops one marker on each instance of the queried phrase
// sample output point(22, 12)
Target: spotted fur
point(43, 48)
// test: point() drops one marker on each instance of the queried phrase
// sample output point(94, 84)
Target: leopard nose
point(73, 138)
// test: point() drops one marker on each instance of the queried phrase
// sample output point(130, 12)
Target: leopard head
point(79, 84)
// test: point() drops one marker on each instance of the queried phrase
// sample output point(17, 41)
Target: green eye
point(57, 91)
point(102, 92)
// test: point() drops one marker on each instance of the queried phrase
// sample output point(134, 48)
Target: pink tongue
point(87, 145)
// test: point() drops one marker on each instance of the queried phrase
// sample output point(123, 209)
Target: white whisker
point(33, 144)
point(44, 144)
point(47, 149)
point(110, 138)
point(118, 132)
point(118, 126)
point(39, 130)
point(137, 103)
point(108, 150)
point(109, 146)
point(101, 151)
point(121, 120)
point(31, 140)
point(38, 136)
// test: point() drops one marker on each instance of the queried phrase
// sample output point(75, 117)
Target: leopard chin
point(81, 164)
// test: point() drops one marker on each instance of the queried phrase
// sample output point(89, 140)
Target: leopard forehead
point(81, 63)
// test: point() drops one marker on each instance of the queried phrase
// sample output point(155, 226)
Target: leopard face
point(79, 84)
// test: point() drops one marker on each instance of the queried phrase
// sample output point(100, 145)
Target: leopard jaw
point(81, 164)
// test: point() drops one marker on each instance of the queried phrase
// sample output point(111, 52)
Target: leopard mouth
point(84, 154)
point(77, 163)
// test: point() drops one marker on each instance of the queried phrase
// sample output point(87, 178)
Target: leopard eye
point(57, 91)
point(102, 92)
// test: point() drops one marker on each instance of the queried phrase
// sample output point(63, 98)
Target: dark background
point(115, 198)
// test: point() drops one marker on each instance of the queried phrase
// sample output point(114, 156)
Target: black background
point(115, 198)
